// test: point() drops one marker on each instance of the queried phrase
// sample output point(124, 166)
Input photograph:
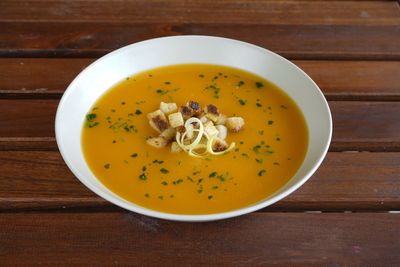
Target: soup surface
point(269, 149)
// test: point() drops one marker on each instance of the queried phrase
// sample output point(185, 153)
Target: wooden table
point(345, 215)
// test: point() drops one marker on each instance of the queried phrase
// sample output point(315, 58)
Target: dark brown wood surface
point(339, 80)
point(350, 181)
point(350, 48)
point(259, 239)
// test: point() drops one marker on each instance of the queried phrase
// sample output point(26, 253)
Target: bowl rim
point(195, 217)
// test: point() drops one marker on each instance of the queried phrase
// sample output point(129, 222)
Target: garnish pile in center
point(199, 132)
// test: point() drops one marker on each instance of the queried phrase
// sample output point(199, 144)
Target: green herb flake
point(258, 105)
point(245, 155)
point(167, 82)
point(261, 173)
point(138, 112)
point(114, 141)
point(278, 139)
point(270, 122)
point(213, 174)
point(164, 171)
point(200, 189)
point(164, 183)
point(261, 132)
point(134, 155)
point(276, 163)
point(242, 102)
point(284, 107)
point(143, 177)
point(147, 195)
point(214, 187)
point(259, 85)
point(210, 197)
point(178, 181)
point(123, 103)
point(201, 75)
point(256, 149)
point(91, 116)
point(113, 110)
point(171, 196)
point(160, 197)
point(259, 161)
point(107, 166)
point(144, 168)
point(240, 83)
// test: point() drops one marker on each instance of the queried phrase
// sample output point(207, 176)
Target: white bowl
point(97, 78)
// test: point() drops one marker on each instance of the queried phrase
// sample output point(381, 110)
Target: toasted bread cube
point(210, 129)
point(195, 106)
point(175, 119)
point(158, 121)
point(186, 112)
point(219, 145)
point(168, 108)
point(204, 119)
point(234, 124)
point(175, 148)
point(221, 120)
point(157, 142)
point(212, 112)
point(168, 134)
point(222, 131)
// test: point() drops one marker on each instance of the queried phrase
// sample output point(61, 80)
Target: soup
point(265, 153)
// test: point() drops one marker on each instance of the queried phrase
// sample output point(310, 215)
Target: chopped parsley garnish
point(107, 166)
point(270, 122)
point(240, 83)
point(242, 102)
point(143, 177)
point(259, 161)
point(278, 139)
point(284, 107)
point(123, 103)
point(259, 85)
point(214, 187)
point(167, 82)
point(114, 141)
point(261, 132)
point(258, 105)
point(261, 173)
point(276, 163)
point(177, 181)
point(160, 197)
point(90, 120)
point(138, 112)
point(213, 174)
point(91, 116)
point(164, 183)
point(210, 197)
point(201, 75)
point(256, 149)
point(158, 161)
point(147, 195)
point(164, 171)
point(134, 155)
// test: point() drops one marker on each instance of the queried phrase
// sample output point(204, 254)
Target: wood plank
point(372, 126)
point(279, 239)
point(339, 80)
point(92, 39)
point(208, 11)
point(345, 181)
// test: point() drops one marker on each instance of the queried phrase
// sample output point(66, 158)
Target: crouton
point(157, 142)
point(168, 108)
point(175, 119)
point(158, 121)
point(234, 124)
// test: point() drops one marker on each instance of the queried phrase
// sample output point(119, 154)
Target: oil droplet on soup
point(269, 149)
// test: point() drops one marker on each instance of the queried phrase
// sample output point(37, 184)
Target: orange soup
point(267, 152)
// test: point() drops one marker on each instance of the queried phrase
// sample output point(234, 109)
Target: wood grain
point(339, 80)
point(372, 126)
point(345, 181)
point(279, 239)
point(206, 11)
point(92, 39)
